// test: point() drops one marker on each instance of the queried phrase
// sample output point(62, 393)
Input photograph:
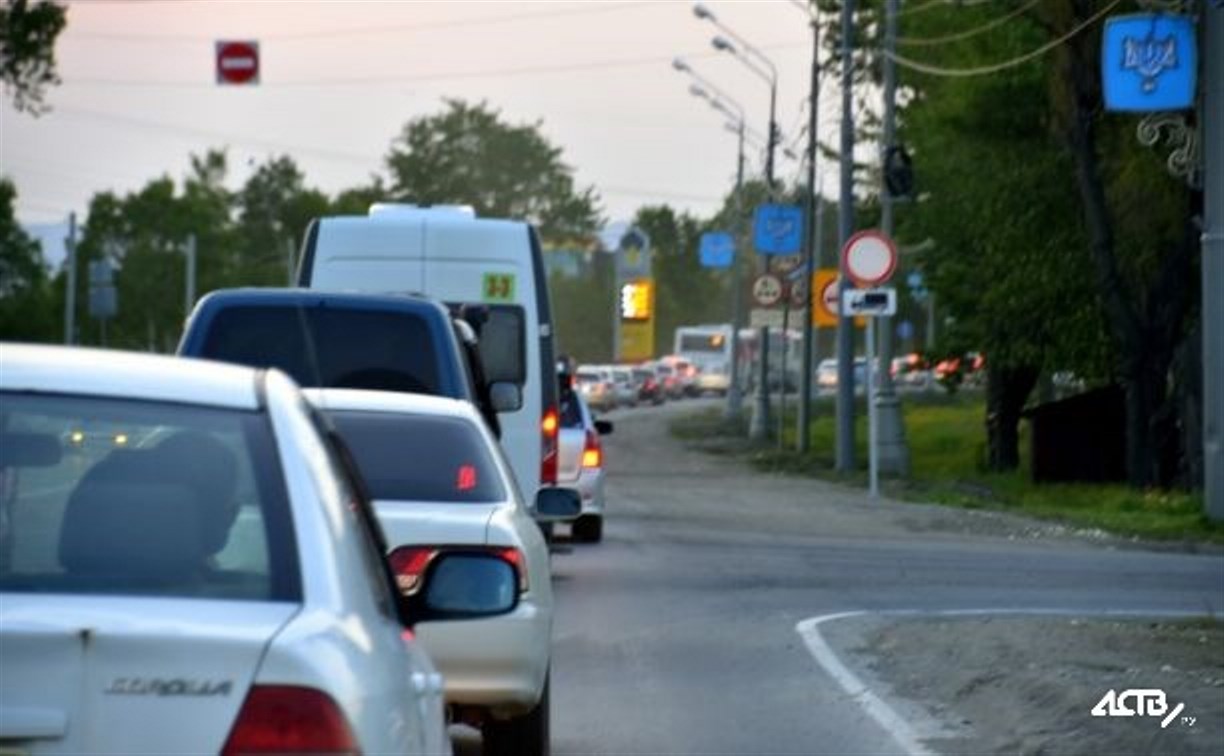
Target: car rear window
point(587, 377)
point(404, 457)
point(113, 496)
point(571, 412)
point(389, 351)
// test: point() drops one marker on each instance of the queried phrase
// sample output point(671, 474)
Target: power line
point(935, 3)
point(585, 10)
point(925, 41)
point(996, 67)
point(383, 79)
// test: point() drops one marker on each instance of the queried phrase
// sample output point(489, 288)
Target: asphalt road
point(677, 633)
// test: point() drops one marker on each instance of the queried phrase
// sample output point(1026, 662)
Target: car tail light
point(289, 719)
point(592, 451)
point(548, 447)
point(410, 562)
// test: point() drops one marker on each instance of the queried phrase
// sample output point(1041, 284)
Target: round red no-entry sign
point(869, 258)
point(237, 62)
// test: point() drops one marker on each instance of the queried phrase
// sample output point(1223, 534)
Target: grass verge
point(946, 439)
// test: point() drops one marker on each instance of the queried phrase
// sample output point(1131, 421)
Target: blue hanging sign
point(717, 249)
point(1148, 62)
point(777, 229)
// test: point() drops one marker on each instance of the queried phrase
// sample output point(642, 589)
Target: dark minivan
point(341, 340)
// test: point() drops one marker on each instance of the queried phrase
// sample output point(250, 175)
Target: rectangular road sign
point(777, 229)
point(870, 302)
point(758, 317)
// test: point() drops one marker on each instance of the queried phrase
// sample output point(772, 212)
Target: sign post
point(777, 231)
point(869, 259)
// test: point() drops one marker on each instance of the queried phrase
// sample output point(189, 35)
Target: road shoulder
point(1028, 684)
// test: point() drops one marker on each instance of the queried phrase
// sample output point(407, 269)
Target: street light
point(763, 67)
point(723, 103)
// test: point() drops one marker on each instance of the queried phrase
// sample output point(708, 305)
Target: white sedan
point(213, 584)
point(440, 483)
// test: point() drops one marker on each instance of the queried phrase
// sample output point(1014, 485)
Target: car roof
point(317, 298)
point(107, 372)
point(364, 400)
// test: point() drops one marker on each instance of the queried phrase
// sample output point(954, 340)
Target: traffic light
point(636, 300)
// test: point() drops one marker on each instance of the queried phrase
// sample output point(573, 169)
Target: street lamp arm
point(747, 47)
point(709, 86)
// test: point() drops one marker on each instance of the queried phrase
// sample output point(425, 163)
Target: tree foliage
point(469, 155)
point(27, 51)
point(26, 302)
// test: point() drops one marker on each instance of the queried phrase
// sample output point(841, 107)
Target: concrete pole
point(70, 283)
point(735, 399)
point(758, 429)
point(189, 289)
point(803, 432)
point(893, 452)
point(291, 280)
point(1213, 262)
point(845, 227)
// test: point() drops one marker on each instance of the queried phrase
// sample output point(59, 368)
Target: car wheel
point(589, 529)
point(520, 736)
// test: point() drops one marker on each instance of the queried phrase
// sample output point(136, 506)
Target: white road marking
point(893, 723)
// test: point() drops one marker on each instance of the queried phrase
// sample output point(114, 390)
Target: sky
point(340, 79)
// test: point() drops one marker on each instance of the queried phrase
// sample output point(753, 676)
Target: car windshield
point(407, 457)
point(329, 347)
point(141, 498)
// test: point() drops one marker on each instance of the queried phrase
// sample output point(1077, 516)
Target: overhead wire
point(996, 67)
point(956, 37)
point(384, 79)
point(589, 9)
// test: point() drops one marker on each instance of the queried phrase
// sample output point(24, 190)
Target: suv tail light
point(592, 451)
point(548, 447)
point(410, 562)
point(289, 719)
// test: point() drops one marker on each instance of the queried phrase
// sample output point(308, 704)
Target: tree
point(1142, 244)
point(1008, 261)
point(27, 51)
point(274, 208)
point(26, 302)
point(468, 155)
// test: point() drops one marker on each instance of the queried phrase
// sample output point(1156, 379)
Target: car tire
point(520, 736)
point(588, 529)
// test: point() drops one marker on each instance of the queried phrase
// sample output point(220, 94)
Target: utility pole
point(893, 452)
point(735, 399)
point(189, 289)
point(1213, 261)
point(291, 279)
point(70, 283)
point(845, 227)
point(811, 240)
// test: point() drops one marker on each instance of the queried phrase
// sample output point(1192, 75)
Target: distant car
point(596, 388)
point(673, 387)
point(650, 388)
point(686, 374)
point(626, 388)
point(581, 465)
point(215, 585)
point(441, 484)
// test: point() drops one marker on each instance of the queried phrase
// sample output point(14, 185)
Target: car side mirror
point(505, 396)
point(557, 505)
point(604, 427)
point(466, 585)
